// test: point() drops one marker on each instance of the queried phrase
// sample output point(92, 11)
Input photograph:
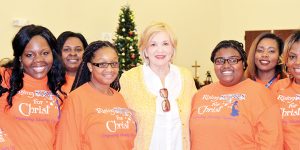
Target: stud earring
point(21, 64)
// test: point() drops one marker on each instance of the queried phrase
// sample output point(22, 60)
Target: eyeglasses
point(165, 103)
point(105, 65)
point(231, 60)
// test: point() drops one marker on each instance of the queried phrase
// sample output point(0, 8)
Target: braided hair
point(231, 44)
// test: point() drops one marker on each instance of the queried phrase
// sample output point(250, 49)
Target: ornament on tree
point(132, 56)
point(133, 65)
point(123, 29)
point(130, 33)
point(130, 47)
point(123, 20)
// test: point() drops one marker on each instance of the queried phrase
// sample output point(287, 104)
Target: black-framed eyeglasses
point(105, 65)
point(231, 60)
point(165, 103)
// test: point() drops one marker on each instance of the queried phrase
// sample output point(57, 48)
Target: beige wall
point(198, 24)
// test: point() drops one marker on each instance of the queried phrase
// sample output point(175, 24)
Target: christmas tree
point(126, 40)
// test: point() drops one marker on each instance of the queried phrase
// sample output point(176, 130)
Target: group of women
point(65, 94)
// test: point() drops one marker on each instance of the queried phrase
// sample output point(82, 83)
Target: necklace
point(108, 91)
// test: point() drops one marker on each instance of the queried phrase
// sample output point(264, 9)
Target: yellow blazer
point(140, 100)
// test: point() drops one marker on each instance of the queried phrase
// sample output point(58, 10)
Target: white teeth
point(73, 60)
point(108, 75)
point(227, 72)
point(264, 62)
point(39, 69)
point(297, 70)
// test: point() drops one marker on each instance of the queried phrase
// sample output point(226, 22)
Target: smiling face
point(227, 74)
point(37, 58)
point(72, 52)
point(293, 61)
point(266, 55)
point(103, 77)
point(159, 50)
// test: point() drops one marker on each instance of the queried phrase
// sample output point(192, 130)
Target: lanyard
point(270, 82)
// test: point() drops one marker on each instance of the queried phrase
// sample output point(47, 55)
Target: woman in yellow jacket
point(159, 92)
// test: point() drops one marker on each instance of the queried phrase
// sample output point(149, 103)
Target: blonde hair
point(152, 30)
point(292, 39)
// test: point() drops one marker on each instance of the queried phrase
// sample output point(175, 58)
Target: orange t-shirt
point(5, 141)
point(68, 85)
point(5, 74)
point(35, 113)
point(288, 96)
point(243, 116)
point(92, 120)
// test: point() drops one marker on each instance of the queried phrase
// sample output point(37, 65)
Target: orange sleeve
point(269, 128)
point(68, 131)
point(5, 75)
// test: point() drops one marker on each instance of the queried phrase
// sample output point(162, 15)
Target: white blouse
point(167, 131)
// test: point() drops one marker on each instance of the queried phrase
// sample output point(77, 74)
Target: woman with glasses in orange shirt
point(95, 116)
point(235, 113)
point(159, 92)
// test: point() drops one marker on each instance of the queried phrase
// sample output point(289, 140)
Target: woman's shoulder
point(283, 82)
point(5, 71)
point(254, 87)
point(116, 93)
point(81, 90)
point(132, 72)
point(5, 75)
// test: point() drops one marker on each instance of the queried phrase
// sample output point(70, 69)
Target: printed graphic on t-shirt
point(5, 144)
point(2, 136)
point(118, 122)
point(222, 103)
point(235, 111)
point(37, 105)
point(290, 108)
